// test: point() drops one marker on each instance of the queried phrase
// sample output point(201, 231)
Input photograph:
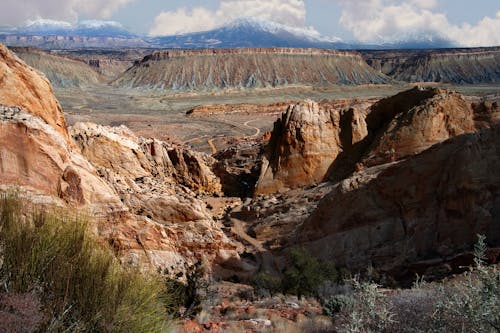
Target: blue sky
point(470, 23)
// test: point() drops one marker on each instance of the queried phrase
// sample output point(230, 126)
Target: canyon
point(233, 158)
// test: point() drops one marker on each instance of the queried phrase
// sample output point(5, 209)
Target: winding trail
point(212, 145)
point(257, 130)
point(264, 256)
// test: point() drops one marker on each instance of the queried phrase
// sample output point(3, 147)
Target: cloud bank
point(387, 21)
point(184, 20)
point(14, 12)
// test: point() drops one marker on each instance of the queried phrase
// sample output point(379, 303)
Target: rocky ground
point(401, 184)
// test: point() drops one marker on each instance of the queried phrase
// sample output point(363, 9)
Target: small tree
point(305, 273)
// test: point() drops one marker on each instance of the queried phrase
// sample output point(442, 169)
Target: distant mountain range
point(243, 32)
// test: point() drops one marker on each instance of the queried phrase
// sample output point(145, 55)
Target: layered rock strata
point(248, 68)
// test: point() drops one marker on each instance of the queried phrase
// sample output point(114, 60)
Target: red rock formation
point(23, 86)
point(429, 117)
point(302, 147)
point(428, 206)
point(144, 203)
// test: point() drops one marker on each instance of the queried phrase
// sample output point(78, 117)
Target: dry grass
point(83, 288)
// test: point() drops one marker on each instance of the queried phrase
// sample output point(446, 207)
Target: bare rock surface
point(21, 85)
point(427, 206)
point(142, 193)
point(302, 147)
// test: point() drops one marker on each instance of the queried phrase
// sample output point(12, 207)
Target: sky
point(465, 22)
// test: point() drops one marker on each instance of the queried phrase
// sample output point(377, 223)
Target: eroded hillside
point(60, 70)
point(458, 66)
point(249, 68)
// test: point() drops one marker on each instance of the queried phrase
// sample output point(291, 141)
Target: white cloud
point(183, 20)
point(14, 12)
point(391, 20)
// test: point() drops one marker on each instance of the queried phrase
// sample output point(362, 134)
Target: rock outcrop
point(248, 68)
point(420, 119)
point(430, 206)
point(459, 66)
point(314, 142)
point(303, 145)
point(24, 86)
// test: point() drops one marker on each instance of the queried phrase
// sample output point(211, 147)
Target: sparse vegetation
point(81, 285)
point(467, 303)
point(185, 298)
point(305, 274)
point(266, 283)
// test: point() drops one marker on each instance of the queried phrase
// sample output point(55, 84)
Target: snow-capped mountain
point(243, 32)
point(51, 34)
point(42, 27)
point(90, 28)
point(250, 32)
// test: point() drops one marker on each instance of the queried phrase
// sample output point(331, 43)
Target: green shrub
point(338, 303)
point(266, 283)
point(305, 274)
point(82, 286)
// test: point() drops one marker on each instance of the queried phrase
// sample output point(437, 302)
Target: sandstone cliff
point(429, 206)
point(303, 145)
point(315, 142)
point(248, 68)
point(23, 86)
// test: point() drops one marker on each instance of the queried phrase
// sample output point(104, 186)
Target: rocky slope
point(142, 193)
point(459, 66)
point(429, 206)
point(380, 183)
point(61, 71)
point(248, 68)
point(24, 86)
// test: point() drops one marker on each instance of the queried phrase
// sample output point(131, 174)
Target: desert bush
point(472, 304)
point(371, 310)
point(338, 303)
point(305, 274)
point(186, 296)
point(83, 288)
point(468, 303)
point(266, 283)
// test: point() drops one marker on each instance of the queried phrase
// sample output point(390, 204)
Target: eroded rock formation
point(430, 206)
point(248, 68)
point(459, 66)
point(141, 193)
point(24, 86)
point(303, 145)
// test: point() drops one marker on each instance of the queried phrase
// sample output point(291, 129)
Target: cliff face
point(429, 206)
point(460, 66)
point(248, 68)
point(61, 71)
point(312, 142)
point(303, 145)
point(23, 86)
